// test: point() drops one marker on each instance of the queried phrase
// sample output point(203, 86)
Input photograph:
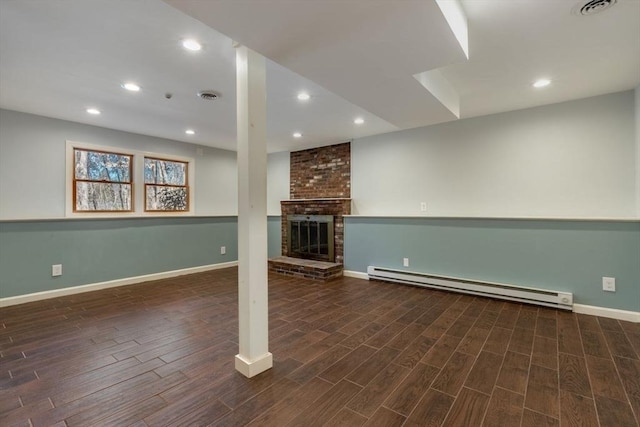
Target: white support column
point(253, 309)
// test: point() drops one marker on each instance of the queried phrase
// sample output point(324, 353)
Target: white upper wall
point(277, 181)
point(637, 109)
point(575, 159)
point(32, 166)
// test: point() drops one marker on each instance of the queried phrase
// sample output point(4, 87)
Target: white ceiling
point(514, 42)
point(58, 57)
point(365, 51)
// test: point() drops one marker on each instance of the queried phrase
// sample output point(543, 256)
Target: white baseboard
point(613, 313)
point(630, 316)
point(55, 293)
point(356, 274)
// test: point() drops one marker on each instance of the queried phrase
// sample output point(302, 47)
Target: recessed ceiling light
point(358, 120)
point(297, 135)
point(130, 86)
point(303, 96)
point(93, 111)
point(191, 44)
point(541, 83)
point(190, 132)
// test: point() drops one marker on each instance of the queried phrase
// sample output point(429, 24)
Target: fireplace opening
point(310, 237)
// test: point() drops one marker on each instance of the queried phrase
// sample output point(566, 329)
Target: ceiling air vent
point(594, 6)
point(208, 95)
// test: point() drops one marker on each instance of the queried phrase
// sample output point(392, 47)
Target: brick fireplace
point(320, 184)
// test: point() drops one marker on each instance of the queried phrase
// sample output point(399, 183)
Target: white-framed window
point(103, 181)
point(166, 185)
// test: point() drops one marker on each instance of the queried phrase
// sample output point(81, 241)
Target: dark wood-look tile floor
point(348, 352)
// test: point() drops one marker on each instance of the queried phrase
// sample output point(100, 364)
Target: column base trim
point(254, 367)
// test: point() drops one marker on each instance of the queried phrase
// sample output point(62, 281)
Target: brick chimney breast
point(321, 173)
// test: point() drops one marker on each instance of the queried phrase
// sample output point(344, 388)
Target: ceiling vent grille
point(594, 6)
point(208, 95)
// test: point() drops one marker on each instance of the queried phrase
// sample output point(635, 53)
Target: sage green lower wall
point(93, 251)
point(562, 255)
point(274, 233)
point(552, 254)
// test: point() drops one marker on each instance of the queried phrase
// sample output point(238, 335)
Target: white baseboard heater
point(543, 297)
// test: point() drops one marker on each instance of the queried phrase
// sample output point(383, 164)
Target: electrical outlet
point(223, 250)
point(609, 284)
point(56, 270)
point(405, 262)
point(423, 206)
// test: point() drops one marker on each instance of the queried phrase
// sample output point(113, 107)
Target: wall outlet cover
point(223, 250)
point(609, 284)
point(56, 270)
point(405, 262)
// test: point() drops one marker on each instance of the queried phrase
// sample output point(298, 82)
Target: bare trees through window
point(166, 185)
point(102, 181)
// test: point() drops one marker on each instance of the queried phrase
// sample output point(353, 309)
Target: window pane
point(164, 172)
point(98, 166)
point(161, 198)
point(99, 196)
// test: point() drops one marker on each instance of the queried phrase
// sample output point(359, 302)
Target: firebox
point(310, 236)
